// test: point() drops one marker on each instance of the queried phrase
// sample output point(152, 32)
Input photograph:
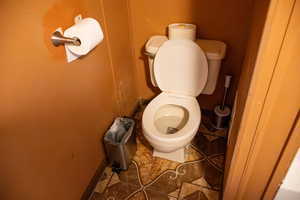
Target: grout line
point(140, 182)
point(110, 178)
point(138, 173)
point(215, 166)
point(200, 187)
point(133, 193)
point(180, 190)
point(146, 195)
point(172, 171)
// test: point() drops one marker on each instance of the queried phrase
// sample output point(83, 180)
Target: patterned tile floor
point(148, 177)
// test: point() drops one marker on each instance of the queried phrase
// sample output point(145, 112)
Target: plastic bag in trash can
point(120, 143)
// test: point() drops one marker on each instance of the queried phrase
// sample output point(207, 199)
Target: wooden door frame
point(248, 139)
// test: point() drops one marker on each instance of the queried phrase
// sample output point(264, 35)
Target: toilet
point(181, 70)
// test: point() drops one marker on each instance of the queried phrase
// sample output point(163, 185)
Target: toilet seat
point(180, 66)
point(182, 136)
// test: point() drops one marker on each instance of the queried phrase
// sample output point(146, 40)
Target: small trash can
point(120, 144)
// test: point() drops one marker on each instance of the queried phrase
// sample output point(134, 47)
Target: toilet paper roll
point(182, 31)
point(90, 34)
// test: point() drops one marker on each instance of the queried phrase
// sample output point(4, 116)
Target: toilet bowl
point(171, 120)
point(169, 124)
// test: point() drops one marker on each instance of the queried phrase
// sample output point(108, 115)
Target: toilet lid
point(180, 66)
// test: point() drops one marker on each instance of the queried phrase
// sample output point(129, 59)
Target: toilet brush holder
point(221, 117)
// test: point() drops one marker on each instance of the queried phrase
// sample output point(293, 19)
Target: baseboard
point(90, 188)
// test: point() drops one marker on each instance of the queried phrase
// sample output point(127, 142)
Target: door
point(264, 145)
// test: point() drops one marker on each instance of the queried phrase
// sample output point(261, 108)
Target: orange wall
point(53, 114)
point(227, 21)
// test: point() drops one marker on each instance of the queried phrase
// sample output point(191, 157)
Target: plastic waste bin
point(120, 144)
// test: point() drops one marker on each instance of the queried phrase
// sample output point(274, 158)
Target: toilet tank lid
point(154, 43)
point(214, 50)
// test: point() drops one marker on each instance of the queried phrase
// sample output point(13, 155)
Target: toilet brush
point(222, 112)
point(227, 84)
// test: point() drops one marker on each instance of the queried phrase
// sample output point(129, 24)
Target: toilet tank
point(151, 49)
point(214, 51)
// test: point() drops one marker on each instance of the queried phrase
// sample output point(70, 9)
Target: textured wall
point(53, 114)
point(120, 45)
point(227, 21)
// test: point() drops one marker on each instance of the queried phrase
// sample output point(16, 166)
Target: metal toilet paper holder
point(57, 37)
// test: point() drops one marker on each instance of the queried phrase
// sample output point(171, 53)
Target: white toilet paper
point(182, 31)
point(90, 34)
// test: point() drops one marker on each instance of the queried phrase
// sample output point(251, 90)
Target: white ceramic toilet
point(171, 120)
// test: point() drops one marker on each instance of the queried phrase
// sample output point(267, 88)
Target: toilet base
point(177, 156)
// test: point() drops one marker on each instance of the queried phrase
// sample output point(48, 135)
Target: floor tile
point(151, 167)
point(208, 146)
point(130, 176)
point(190, 192)
point(148, 177)
point(218, 161)
point(96, 196)
point(172, 180)
point(193, 171)
point(119, 191)
point(192, 154)
point(166, 183)
point(114, 180)
point(138, 196)
point(202, 182)
point(155, 195)
point(174, 193)
point(198, 195)
point(213, 176)
point(104, 180)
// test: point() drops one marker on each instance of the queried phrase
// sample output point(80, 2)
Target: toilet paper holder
point(57, 39)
